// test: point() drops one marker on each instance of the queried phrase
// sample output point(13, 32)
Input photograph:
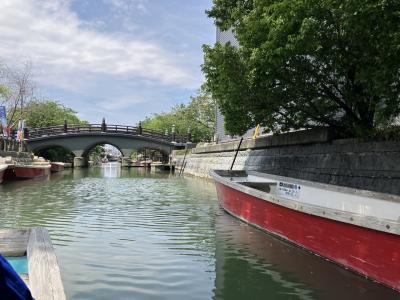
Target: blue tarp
point(12, 286)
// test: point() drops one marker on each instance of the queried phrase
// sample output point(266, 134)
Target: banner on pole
point(3, 120)
point(20, 132)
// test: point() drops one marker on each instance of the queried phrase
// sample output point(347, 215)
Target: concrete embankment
point(14, 156)
point(310, 154)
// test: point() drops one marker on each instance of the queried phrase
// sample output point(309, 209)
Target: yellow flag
point(256, 132)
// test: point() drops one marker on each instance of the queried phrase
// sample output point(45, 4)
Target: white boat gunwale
point(330, 187)
point(38, 166)
point(3, 167)
point(44, 276)
point(370, 222)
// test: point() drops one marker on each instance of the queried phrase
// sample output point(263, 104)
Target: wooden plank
point(13, 242)
point(44, 273)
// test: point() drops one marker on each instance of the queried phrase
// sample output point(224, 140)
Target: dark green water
point(129, 234)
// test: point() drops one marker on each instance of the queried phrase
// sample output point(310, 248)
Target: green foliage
point(97, 153)
point(198, 115)
point(307, 63)
point(4, 92)
point(57, 154)
point(49, 113)
point(44, 113)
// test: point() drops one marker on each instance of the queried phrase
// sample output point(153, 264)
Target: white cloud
point(59, 44)
point(128, 6)
point(127, 102)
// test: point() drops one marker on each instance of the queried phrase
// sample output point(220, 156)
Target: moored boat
point(33, 249)
point(135, 164)
point(3, 169)
point(357, 229)
point(57, 167)
point(145, 164)
point(32, 170)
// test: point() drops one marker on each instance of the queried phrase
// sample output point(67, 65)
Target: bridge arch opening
point(103, 152)
point(55, 153)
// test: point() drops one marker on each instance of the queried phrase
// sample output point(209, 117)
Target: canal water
point(132, 234)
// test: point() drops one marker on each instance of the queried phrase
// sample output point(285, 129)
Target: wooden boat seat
point(235, 173)
point(261, 186)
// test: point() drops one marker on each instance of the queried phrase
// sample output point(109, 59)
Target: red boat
point(32, 171)
point(3, 169)
point(357, 229)
point(57, 167)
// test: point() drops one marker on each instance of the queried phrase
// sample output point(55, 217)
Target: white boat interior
point(351, 204)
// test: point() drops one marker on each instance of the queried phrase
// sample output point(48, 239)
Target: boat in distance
point(31, 171)
point(3, 169)
point(56, 167)
point(357, 229)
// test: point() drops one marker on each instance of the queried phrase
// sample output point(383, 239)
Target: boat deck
point(44, 277)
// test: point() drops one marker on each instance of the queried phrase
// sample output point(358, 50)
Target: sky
point(118, 59)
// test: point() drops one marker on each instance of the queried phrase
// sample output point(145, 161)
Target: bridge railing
point(72, 129)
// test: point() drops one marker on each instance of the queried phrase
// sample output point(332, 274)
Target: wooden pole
point(237, 151)
point(183, 168)
point(183, 162)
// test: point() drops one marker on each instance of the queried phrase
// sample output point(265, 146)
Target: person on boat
point(12, 287)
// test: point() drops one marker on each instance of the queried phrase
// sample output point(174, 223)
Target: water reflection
point(136, 234)
point(111, 170)
point(253, 265)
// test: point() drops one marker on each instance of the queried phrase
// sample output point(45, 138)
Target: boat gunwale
point(44, 166)
point(3, 167)
point(44, 275)
point(369, 222)
point(330, 187)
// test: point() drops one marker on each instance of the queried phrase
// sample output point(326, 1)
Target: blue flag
point(3, 119)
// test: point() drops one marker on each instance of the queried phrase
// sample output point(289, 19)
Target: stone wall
point(15, 154)
point(307, 155)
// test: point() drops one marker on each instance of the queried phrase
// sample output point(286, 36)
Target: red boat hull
point(2, 175)
point(9, 173)
point(57, 168)
point(31, 172)
point(369, 252)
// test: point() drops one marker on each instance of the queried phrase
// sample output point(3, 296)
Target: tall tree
point(198, 116)
point(42, 113)
point(307, 63)
point(18, 90)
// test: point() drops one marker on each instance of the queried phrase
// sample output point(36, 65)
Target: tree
point(42, 113)
point(16, 89)
point(307, 63)
point(97, 153)
point(198, 116)
point(4, 93)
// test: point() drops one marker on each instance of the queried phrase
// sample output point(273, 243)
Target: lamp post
point(173, 133)
point(140, 129)
point(189, 135)
point(103, 125)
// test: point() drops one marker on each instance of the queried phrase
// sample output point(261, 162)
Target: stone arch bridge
point(79, 139)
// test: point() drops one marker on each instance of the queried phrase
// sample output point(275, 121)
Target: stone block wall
point(371, 166)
